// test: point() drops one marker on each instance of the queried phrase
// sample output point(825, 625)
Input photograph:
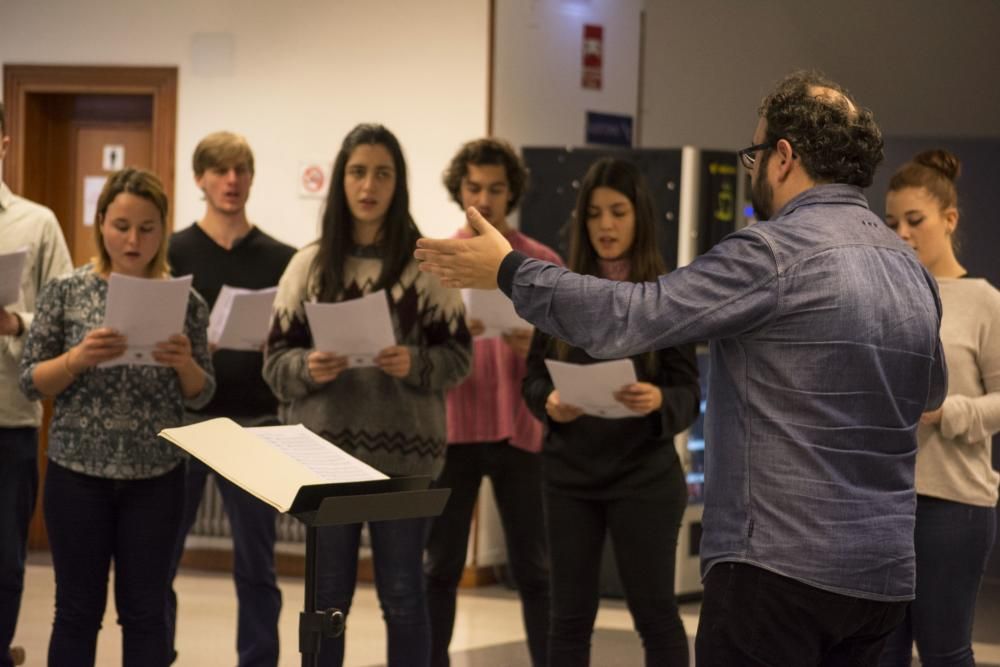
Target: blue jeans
point(92, 520)
point(252, 523)
point(953, 543)
point(18, 489)
point(397, 551)
point(517, 485)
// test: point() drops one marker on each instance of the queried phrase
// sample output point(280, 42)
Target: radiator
point(211, 520)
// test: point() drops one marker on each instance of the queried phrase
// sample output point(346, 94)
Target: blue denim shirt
point(824, 340)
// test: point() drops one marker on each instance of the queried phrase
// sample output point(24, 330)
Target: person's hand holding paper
point(640, 397)
point(149, 314)
point(592, 388)
point(352, 334)
point(99, 346)
point(559, 411)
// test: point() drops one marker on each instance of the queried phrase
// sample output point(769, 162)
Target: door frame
point(19, 81)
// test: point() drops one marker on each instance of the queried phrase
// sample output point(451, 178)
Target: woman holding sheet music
point(113, 490)
point(391, 414)
point(615, 476)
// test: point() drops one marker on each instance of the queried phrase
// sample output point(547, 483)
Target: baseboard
point(294, 565)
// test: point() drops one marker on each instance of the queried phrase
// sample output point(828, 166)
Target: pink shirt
point(488, 407)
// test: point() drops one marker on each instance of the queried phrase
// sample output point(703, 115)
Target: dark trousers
point(92, 521)
point(18, 489)
point(253, 528)
point(644, 537)
point(517, 484)
point(397, 549)
point(753, 617)
point(953, 543)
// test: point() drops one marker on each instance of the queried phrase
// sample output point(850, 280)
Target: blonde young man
point(224, 248)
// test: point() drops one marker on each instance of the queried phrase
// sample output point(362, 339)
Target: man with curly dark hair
point(823, 328)
point(834, 140)
point(491, 432)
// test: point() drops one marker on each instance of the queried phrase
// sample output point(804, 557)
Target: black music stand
point(353, 502)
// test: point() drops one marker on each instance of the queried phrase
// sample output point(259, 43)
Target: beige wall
point(538, 98)
point(300, 75)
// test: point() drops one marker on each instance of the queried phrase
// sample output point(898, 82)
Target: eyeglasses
point(749, 155)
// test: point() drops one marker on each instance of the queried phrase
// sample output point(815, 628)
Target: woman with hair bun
point(955, 481)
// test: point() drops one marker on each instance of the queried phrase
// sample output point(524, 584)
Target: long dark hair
point(645, 261)
point(398, 236)
point(644, 255)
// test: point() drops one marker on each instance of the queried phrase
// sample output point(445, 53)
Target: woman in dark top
point(616, 476)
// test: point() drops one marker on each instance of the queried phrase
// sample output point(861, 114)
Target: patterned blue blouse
point(105, 422)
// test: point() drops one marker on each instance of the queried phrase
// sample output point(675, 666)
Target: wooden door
point(57, 116)
point(100, 149)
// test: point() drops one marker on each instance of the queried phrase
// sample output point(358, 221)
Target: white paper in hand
point(590, 387)
point(11, 267)
point(240, 318)
point(147, 312)
point(494, 310)
point(358, 329)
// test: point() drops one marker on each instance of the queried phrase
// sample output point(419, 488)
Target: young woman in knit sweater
point(391, 415)
point(956, 483)
point(615, 476)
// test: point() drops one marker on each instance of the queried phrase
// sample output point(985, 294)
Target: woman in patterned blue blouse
point(113, 489)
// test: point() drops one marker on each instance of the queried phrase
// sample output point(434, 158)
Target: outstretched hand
point(465, 262)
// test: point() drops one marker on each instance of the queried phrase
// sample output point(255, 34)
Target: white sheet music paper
point(318, 455)
point(240, 318)
point(494, 310)
point(358, 329)
point(590, 386)
point(11, 267)
point(270, 462)
point(147, 312)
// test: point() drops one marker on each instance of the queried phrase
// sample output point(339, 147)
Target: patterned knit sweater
point(395, 425)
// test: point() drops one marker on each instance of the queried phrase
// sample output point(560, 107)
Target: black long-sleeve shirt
point(255, 261)
point(606, 458)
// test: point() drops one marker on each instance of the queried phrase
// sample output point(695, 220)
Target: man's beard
point(761, 192)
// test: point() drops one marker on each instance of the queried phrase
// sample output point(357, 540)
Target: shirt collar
point(830, 193)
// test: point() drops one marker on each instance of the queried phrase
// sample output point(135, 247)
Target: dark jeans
point(397, 548)
point(253, 528)
point(517, 485)
point(92, 521)
point(18, 489)
point(953, 543)
point(644, 536)
point(753, 617)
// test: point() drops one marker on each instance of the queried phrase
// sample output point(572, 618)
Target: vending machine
point(699, 196)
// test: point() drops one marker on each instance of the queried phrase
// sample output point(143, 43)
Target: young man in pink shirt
point(490, 430)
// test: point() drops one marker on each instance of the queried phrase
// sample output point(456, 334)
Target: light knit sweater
point(954, 459)
point(395, 425)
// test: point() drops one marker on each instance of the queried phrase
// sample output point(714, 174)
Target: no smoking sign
point(313, 179)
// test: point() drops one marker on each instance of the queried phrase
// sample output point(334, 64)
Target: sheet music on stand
point(298, 472)
point(270, 462)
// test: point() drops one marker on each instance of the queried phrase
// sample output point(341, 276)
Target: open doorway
point(70, 126)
